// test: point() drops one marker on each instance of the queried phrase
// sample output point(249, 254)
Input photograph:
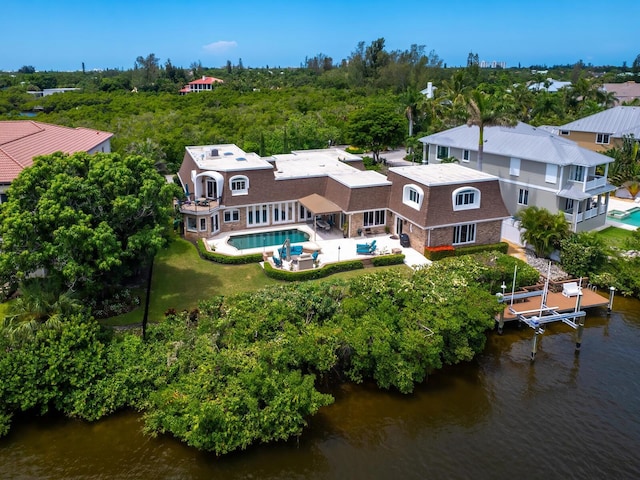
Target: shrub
point(354, 150)
point(439, 252)
point(384, 260)
point(227, 259)
point(583, 254)
point(312, 274)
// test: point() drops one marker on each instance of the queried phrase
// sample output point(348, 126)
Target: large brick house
point(227, 189)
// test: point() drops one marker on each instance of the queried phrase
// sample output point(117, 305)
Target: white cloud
point(221, 46)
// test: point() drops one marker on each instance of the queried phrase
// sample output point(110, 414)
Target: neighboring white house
point(550, 85)
point(535, 167)
point(204, 84)
point(429, 91)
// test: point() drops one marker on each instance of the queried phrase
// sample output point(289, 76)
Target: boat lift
point(537, 318)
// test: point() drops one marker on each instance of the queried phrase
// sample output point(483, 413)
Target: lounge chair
point(366, 248)
point(571, 289)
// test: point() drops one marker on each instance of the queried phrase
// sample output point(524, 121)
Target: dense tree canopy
point(245, 369)
point(90, 221)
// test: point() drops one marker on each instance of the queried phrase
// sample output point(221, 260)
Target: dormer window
point(239, 185)
point(602, 138)
point(412, 196)
point(466, 198)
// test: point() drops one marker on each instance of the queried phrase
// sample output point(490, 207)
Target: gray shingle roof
point(617, 121)
point(522, 141)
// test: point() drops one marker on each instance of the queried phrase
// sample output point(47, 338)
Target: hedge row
point(227, 259)
point(501, 247)
point(329, 269)
point(383, 260)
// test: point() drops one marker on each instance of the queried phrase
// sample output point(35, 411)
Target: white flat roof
point(323, 163)
point(226, 158)
point(442, 174)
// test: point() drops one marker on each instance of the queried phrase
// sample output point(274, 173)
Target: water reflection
point(501, 416)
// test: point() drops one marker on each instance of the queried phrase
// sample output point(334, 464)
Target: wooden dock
point(557, 301)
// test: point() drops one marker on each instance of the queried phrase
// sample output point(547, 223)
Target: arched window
point(412, 196)
point(239, 185)
point(466, 198)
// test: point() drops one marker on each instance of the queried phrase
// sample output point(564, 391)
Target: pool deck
point(623, 205)
point(332, 245)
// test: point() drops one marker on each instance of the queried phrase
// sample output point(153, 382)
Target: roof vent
point(241, 159)
point(228, 153)
point(214, 152)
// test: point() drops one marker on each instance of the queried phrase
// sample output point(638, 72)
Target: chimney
point(203, 77)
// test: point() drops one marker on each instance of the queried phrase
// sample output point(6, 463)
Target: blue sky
point(61, 34)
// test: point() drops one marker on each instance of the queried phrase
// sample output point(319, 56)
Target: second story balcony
point(200, 206)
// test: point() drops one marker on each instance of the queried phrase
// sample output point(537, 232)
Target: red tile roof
point(22, 140)
point(206, 81)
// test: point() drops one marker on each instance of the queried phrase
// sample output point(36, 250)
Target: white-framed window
point(203, 224)
point(602, 138)
point(215, 223)
point(412, 196)
point(374, 217)
point(564, 132)
point(466, 155)
point(464, 233)
point(514, 167)
point(192, 224)
point(257, 215)
point(442, 152)
point(231, 216)
point(466, 198)
point(576, 173)
point(523, 197)
point(304, 215)
point(239, 185)
point(551, 175)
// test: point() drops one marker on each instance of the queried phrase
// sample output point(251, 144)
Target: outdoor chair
point(571, 289)
point(277, 262)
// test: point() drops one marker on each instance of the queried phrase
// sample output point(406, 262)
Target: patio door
point(399, 222)
point(215, 223)
point(212, 189)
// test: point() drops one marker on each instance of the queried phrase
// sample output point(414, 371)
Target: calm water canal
point(564, 416)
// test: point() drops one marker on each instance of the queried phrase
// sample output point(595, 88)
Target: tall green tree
point(89, 221)
point(376, 126)
point(484, 111)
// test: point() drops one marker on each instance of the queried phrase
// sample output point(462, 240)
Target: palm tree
point(483, 111)
point(542, 230)
point(38, 306)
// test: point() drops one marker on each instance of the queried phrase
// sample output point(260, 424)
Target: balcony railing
point(200, 206)
point(586, 215)
point(595, 182)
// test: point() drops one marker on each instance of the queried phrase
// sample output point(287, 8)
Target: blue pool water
point(633, 218)
point(267, 239)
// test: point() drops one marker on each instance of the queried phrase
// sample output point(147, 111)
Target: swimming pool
point(267, 239)
point(628, 217)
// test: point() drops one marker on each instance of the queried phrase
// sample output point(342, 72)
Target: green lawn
point(614, 236)
point(181, 278)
